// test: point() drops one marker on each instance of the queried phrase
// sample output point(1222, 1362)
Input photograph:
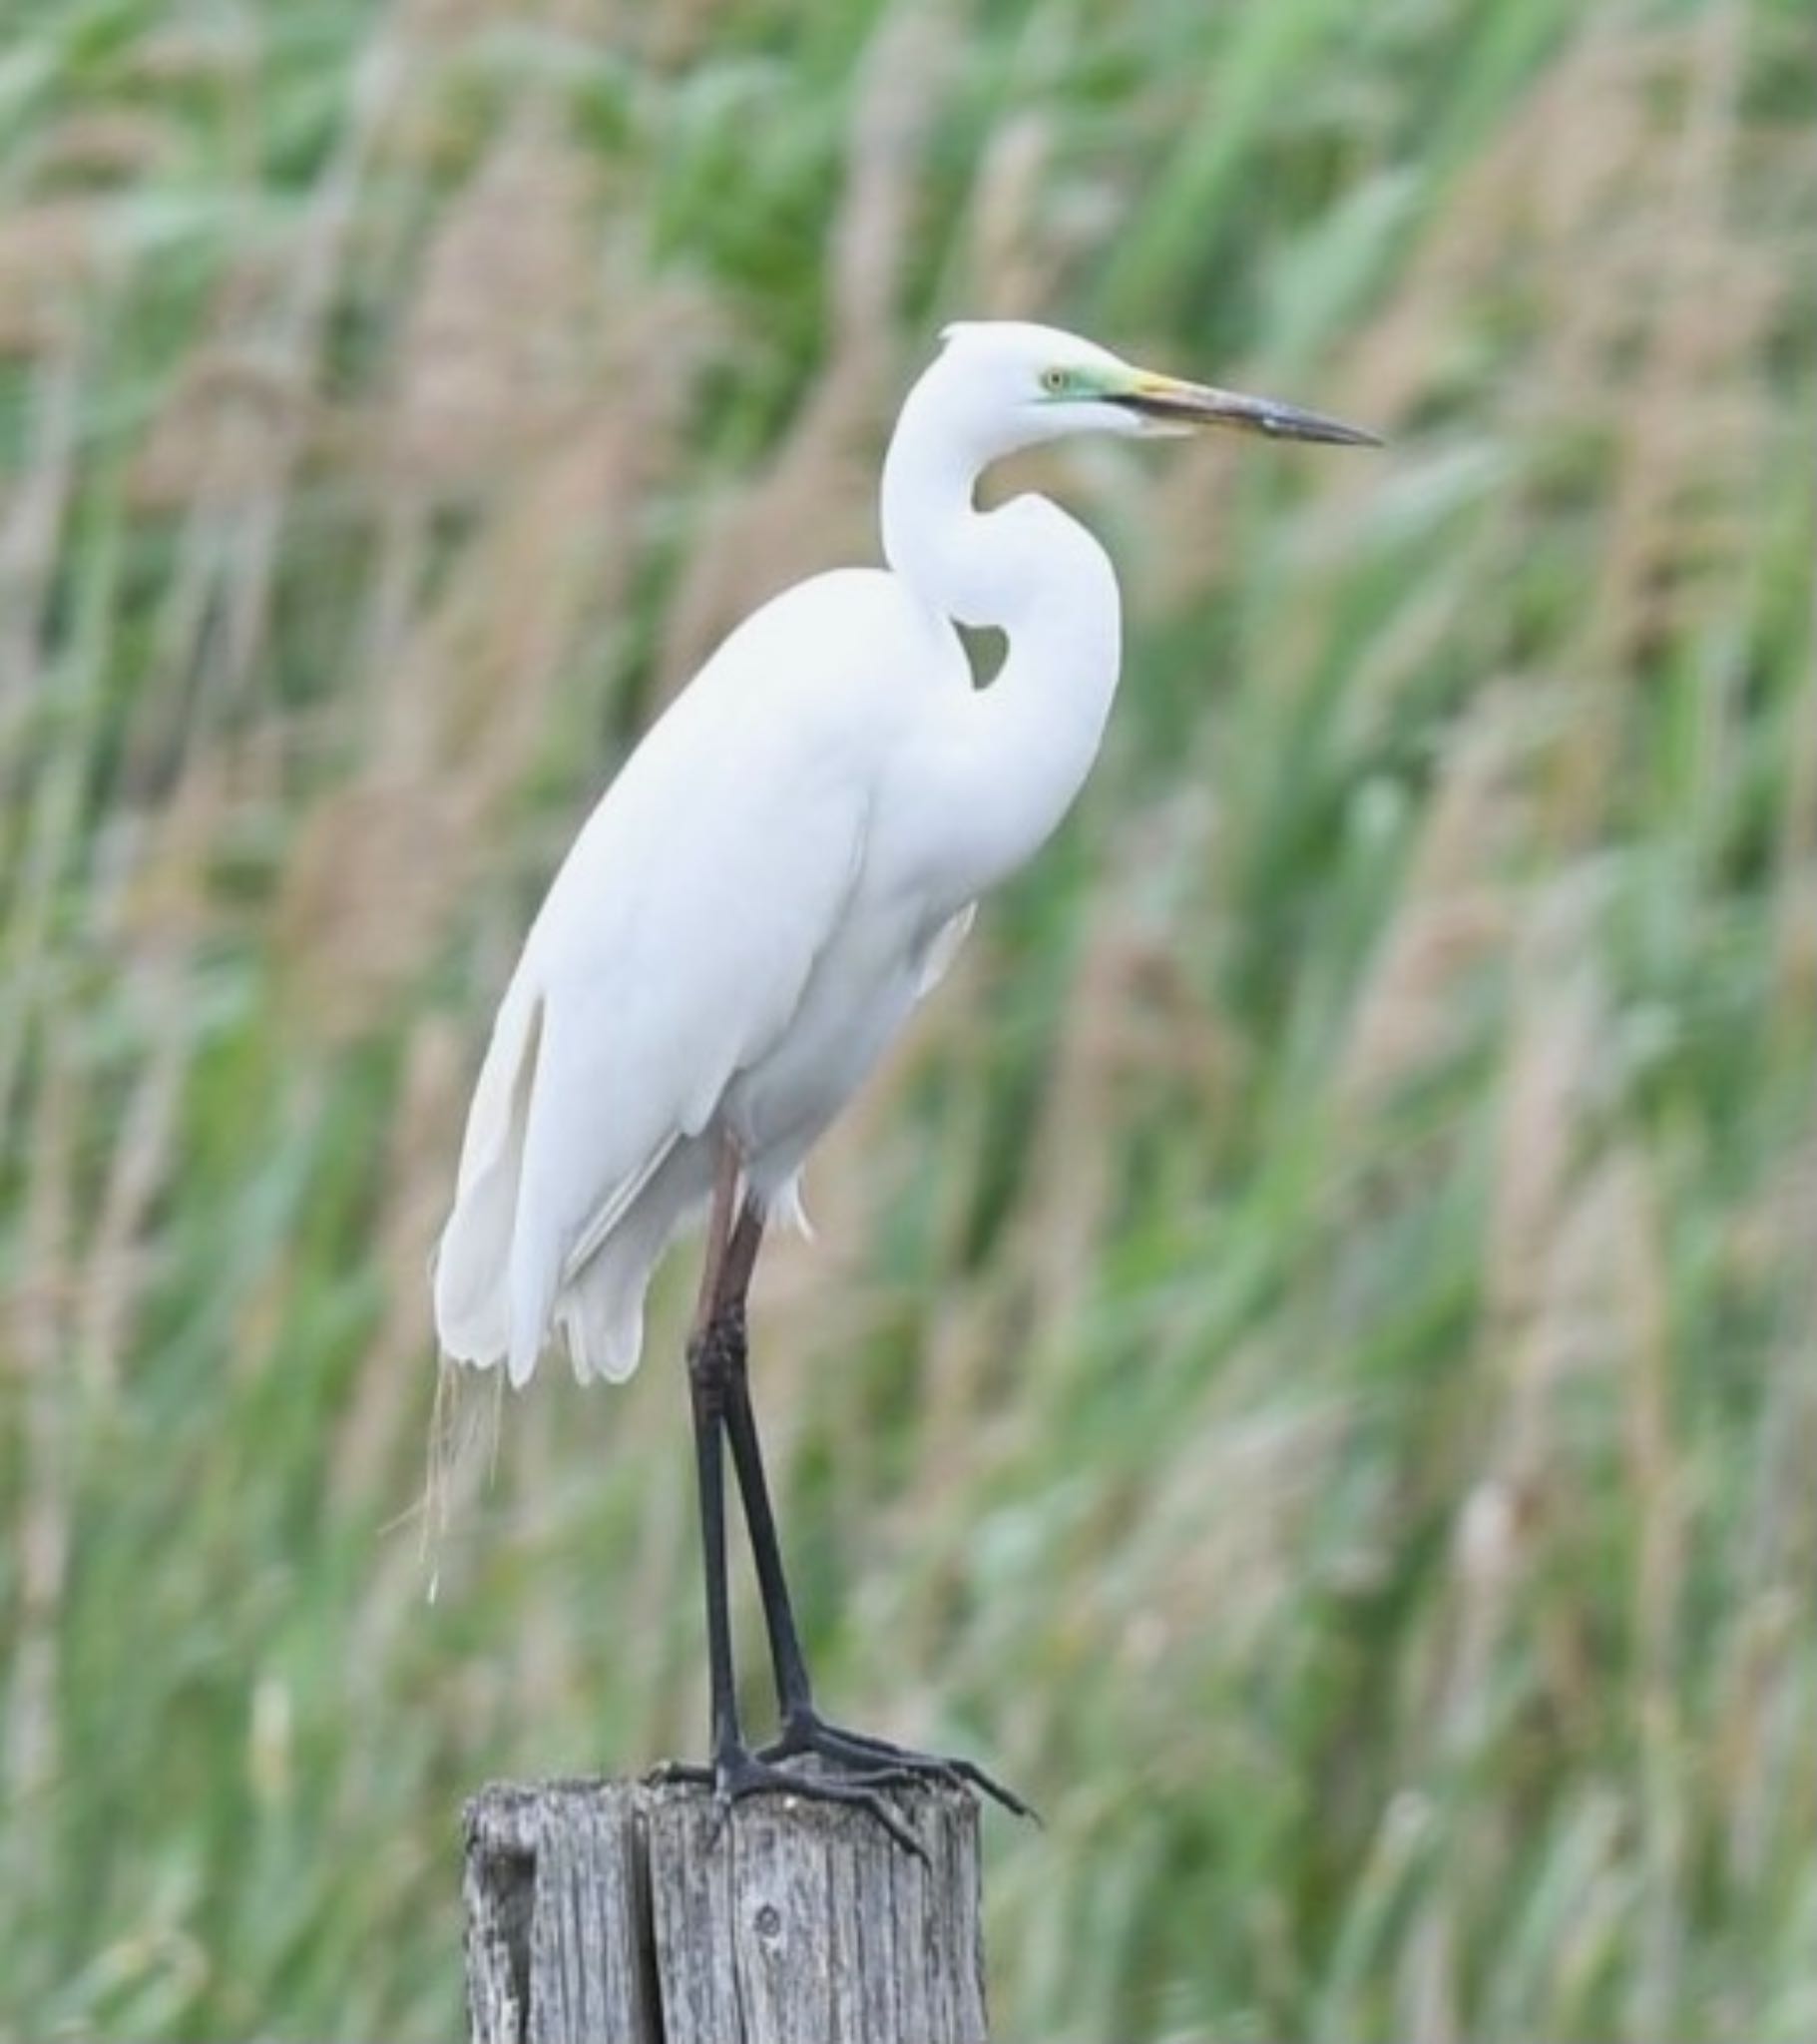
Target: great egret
point(783, 867)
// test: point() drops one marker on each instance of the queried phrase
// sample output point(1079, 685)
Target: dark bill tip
point(1287, 423)
point(1198, 404)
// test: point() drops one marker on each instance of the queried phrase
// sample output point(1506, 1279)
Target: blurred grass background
point(1311, 1363)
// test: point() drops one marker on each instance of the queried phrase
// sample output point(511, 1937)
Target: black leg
point(804, 1731)
point(715, 1363)
point(794, 1693)
point(707, 1395)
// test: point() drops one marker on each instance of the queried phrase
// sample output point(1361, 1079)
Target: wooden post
point(625, 1913)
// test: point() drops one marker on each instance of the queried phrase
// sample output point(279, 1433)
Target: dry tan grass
point(50, 259)
point(480, 387)
point(1459, 903)
point(814, 503)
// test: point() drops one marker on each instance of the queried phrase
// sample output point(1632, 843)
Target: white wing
point(672, 950)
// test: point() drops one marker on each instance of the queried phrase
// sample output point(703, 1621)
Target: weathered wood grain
point(618, 1912)
point(557, 1932)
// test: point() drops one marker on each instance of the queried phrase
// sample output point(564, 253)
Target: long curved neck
point(1015, 754)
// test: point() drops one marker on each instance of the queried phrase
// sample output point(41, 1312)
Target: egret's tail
point(600, 1308)
point(473, 1259)
point(502, 1292)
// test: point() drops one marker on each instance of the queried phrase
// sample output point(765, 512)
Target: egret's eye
point(1056, 382)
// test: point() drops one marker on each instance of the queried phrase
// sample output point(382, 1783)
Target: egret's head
point(1015, 385)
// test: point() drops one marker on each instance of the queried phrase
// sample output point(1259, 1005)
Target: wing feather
point(671, 954)
point(652, 1015)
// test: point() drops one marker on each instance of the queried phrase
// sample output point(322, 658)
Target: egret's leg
point(794, 1693)
point(706, 1399)
point(727, 1328)
point(715, 1356)
point(707, 1396)
point(707, 1387)
point(804, 1731)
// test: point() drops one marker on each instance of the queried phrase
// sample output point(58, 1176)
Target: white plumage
point(716, 946)
point(788, 859)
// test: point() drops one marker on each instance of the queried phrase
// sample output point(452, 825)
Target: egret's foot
point(806, 1732)
point(738, 1773)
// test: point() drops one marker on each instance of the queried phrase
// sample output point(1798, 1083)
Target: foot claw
point(741, 1772)
point(860, 1750)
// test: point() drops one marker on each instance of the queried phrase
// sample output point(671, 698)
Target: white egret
point(782, 869)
